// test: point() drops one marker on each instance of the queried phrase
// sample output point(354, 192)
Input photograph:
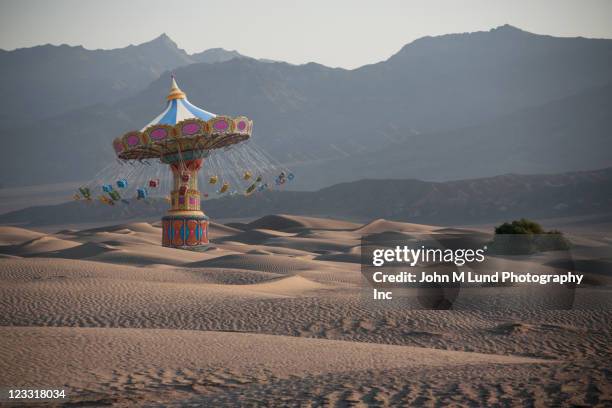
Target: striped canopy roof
point(178, 108)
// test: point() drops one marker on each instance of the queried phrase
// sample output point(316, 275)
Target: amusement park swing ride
point(194, 144)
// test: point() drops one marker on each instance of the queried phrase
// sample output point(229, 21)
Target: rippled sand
point(274, 315)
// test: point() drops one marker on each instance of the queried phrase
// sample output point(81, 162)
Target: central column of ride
point(185, 226)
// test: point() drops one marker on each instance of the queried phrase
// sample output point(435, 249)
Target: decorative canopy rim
point(182, 127)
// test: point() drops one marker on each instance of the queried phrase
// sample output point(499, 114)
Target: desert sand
point(273, 314)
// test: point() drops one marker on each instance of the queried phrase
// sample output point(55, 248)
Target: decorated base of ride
point(189, 231)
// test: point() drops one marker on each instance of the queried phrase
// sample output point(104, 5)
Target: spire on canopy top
point(175, 91)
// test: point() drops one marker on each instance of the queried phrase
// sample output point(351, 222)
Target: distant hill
point(44, 81)
point(41, 82)
point(483, 200)
point(213, 55)
point(568, 134)
point(447, 107)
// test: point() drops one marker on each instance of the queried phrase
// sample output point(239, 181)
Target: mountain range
point(442, 108)
point(483, 200)
point(44, 81)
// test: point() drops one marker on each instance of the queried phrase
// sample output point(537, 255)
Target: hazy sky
point(335, 33)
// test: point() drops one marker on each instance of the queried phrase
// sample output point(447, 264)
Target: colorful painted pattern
point(184, 231)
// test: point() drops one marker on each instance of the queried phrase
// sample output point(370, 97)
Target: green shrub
point(526, 237)
point(522, 226)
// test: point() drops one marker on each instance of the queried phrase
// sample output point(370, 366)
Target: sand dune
point(83, 251)
point(127, 233)
point(104, 349)
point(265, 263)
point(149, 254)
point(15, 235)
point(340, 257)
point(108, 251)
point(289, 286)
point(142, 227)
point(140, 361)
point(43, 244)
point(292, 223)
point(216, 230)
point(229, 276)
point(255, 236)
point(275, 314)
point(38, 270)
point(470, 231)
point(262, 249)
point(382, 225)
point(314, 245)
